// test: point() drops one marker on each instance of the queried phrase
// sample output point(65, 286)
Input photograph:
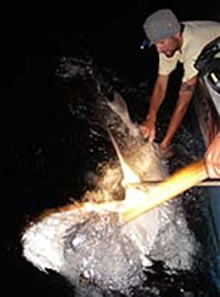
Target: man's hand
point(212, 158)
point(148, 129)
point(164, 144)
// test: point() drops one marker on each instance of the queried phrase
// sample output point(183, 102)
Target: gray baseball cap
point(160, 25)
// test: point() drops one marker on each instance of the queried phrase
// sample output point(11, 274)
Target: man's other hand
point(212, 158)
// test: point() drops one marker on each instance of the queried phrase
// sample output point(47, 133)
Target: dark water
point(50, 153)
point(45, 161)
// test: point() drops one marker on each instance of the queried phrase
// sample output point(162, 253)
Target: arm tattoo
point(185, 87)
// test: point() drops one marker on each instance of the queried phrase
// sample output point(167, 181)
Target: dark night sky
point(113, 29)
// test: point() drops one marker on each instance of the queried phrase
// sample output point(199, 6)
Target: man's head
point(162, 29)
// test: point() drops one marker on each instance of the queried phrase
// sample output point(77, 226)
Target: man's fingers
point(212, 158)
point(151, 135)
point(213, 170)
point(148, 131)
point(144, 131)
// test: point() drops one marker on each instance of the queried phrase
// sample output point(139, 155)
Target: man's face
point(167, 46)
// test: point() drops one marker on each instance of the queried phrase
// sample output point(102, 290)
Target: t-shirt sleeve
point(188, 66)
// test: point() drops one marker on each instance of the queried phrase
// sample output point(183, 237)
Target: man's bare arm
point(158, 96)
point(147, 128)
point(185, 95)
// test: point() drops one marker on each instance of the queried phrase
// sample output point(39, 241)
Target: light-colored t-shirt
point(196, 35)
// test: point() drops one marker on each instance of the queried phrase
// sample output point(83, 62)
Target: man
point(175, 42)
point(212, 158)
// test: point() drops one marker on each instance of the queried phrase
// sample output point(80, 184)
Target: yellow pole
point(180, 181)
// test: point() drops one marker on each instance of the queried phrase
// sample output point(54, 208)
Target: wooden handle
point(180, 181)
